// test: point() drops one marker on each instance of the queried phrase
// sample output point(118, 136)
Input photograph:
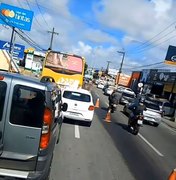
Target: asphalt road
point(108, 151)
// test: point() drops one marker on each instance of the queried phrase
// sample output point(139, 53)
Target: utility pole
point(52, 34)
point(121, 64)
point(107, 66)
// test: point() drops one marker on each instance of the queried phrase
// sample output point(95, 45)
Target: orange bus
point(67, 70)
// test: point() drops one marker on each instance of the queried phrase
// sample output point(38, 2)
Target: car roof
point(128, 91)
point(80, 90)
point(34, 81)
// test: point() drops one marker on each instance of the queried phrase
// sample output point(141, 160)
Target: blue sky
point(97, 29)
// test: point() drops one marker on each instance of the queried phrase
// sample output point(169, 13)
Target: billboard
point(124, 79)
point(16, 17)
point(162, 77)
point(112, 72)
point(171, 55)
point(64, 61)
point(18, 51)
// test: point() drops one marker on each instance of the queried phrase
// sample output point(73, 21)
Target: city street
point(109, 151)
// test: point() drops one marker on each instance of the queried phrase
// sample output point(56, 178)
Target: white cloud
point(137, 20)
point(98, 36)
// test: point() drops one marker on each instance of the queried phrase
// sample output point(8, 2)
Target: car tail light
point(47, 120)
point(91, 108)
point(141, 117)
point(1, 77)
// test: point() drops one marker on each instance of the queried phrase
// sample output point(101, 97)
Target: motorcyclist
point(114, 98)
point(137, 107)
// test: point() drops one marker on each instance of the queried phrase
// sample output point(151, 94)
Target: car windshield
point(76, 96)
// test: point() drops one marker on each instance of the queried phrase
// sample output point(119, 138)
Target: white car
point(127, 96)
point(100, 85)
point(80, 105)
point(153, 113)
point(109, 90)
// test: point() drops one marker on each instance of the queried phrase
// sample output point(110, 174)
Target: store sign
point(171, 55)
point(18, 50)
point(167, 77)
point(16, 17)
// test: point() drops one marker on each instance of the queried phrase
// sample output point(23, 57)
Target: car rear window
point(152, 105)
point(3, 87)
point(128, 95)
point(27, 106)
point(76, 96)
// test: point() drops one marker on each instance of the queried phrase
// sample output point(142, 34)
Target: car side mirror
point(64, 107)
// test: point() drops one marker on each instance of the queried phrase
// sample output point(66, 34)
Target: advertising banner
point(63, 61)
point(18, 51)
point(171, 55)
point(16, 17)
point(162, 77)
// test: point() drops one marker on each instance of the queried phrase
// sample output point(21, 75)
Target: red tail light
point(91, 108)
point(141, 117)
point(47, 120)
point(1, 77)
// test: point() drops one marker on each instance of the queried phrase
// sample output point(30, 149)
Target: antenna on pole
point(52, 34)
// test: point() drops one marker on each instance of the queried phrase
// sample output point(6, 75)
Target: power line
point(147, 65)
point(34, 14)
point(149, 41)
point(172, 37)
point(42, 14)
point(31, 40)
point(28, 39)
point(151, 44)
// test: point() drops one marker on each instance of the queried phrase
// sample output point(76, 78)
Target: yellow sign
point(29, 50)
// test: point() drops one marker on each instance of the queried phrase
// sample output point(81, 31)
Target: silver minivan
point(29, 126)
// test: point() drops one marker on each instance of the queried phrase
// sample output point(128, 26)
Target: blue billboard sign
point(18, 50)
point(16, 17)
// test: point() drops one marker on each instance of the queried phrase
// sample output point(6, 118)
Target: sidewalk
point(170, 123)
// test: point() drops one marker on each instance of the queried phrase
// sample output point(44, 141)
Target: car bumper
point(77, 116)
point(11, 174)
point(152, 119)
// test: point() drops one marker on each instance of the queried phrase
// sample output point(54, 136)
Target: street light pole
point(121, 64)
point(107, 69)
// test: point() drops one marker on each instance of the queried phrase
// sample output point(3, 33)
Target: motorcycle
point(135, 123)
point(113, 107)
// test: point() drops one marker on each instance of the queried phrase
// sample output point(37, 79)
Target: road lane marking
point(160, 154)
point(77, 134)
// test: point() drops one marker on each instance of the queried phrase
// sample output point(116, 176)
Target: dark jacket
point(114, 98)
point(136, 107)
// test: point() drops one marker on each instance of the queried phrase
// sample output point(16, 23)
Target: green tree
point(85, 67)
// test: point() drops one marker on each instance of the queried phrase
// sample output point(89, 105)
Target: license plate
point(139, 122)
point(75, 114)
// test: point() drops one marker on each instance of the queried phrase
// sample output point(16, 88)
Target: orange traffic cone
point(108, 116)
point(97, 105)
point(172, 175)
